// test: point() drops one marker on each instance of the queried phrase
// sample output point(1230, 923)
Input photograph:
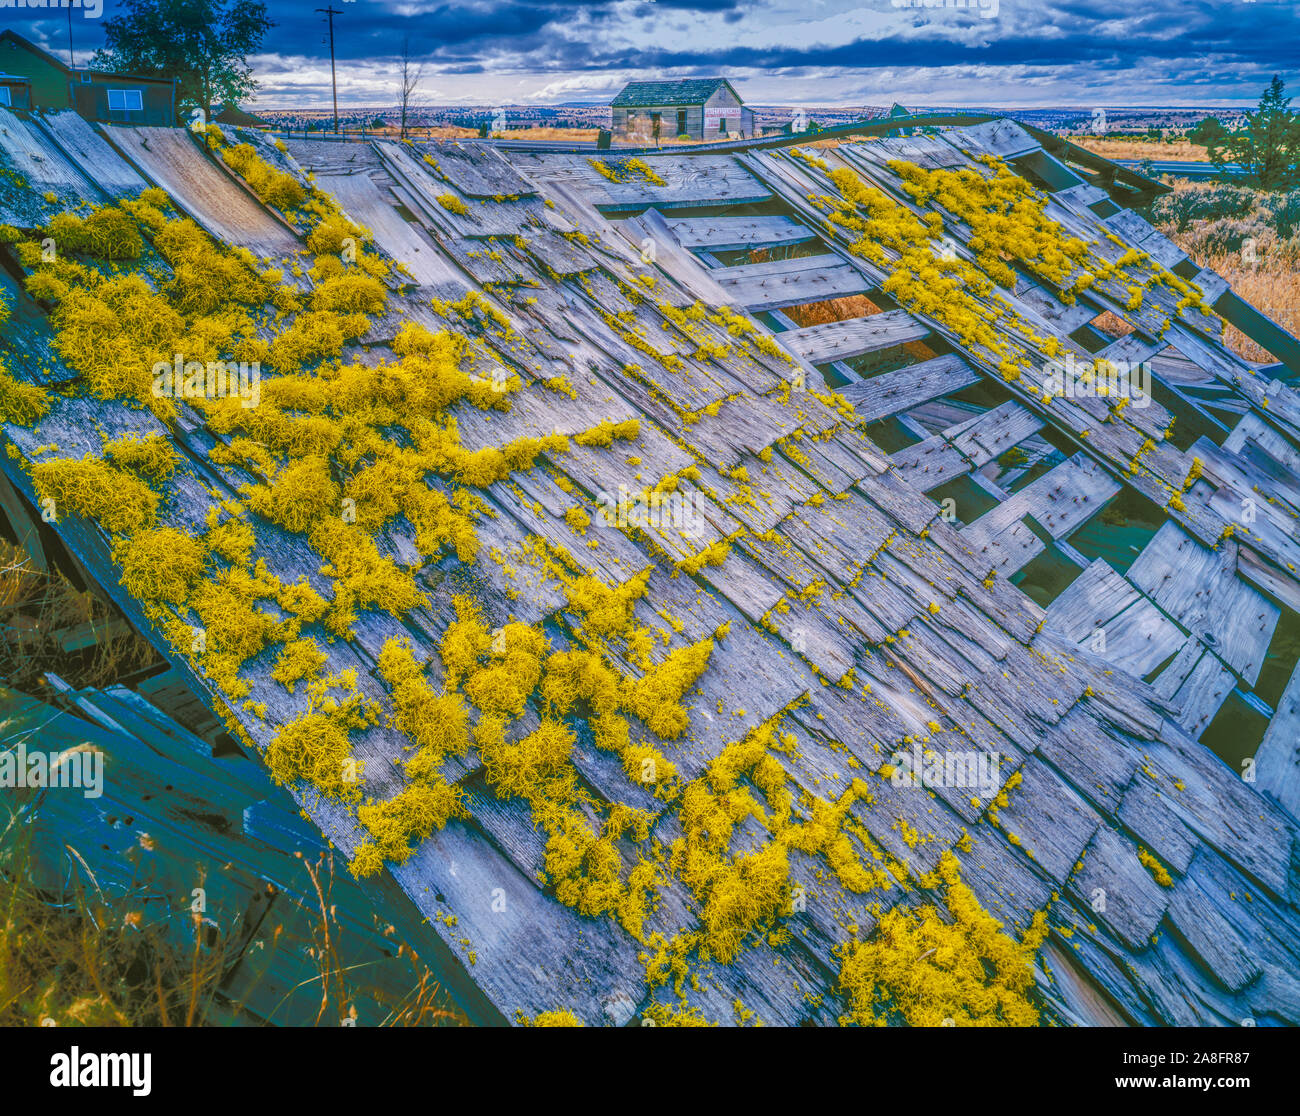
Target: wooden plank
point(721, 234)
point(1202, 695)
point(821, 344)
point(995, 432)
point(894, 392)
point(769, 286)
point(1085, 605)
point(1061, 500)
point(170, 158)
point(1200, 588)
point(405, 242)
point(475, 169)
point(688, 181)
point(1133, 904)
point(33, 168)
point(96, 160)
point(1140, 638)
point(1277, 762)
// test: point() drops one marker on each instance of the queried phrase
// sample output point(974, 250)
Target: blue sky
point(1017, 53)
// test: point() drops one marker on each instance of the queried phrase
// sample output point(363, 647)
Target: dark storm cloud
point(1161, 42)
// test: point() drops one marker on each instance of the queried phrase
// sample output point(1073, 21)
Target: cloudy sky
point(1015, 53)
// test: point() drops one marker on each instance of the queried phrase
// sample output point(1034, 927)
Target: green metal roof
point(689, 91)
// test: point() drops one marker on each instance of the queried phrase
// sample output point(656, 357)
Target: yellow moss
point(555, 1018)
point(299, 659)
point(20, 403)
point(153, 458)
point(927, 969)
point(656, 697)
point(160, 565)
point(94, 489)
point(605, 433)
point(274, 187)
point(1158, 871)
point(411, 816)
point(302, 494)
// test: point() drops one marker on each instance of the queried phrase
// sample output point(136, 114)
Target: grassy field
point(1177, 149)
point(1250, 237)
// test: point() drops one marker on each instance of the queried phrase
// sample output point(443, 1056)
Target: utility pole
point(72, 58)
point(330, 13)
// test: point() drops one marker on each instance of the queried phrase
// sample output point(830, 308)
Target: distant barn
point(697, 108)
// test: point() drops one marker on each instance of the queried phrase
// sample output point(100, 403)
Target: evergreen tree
point(1267, 146)
point(204, 44)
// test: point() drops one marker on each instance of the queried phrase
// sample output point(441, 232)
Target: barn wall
point(49, 83)
point(92, 101)
point(723, 99)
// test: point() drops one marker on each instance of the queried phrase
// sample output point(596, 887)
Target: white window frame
point(124, 96)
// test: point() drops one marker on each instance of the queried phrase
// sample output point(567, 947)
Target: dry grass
point(1157, 150)
point(1271, 286)
point(1112, 325)
point(42, 615)
point(1250, 237)
point(832, 310)
point(84, 958)
point(81, 960)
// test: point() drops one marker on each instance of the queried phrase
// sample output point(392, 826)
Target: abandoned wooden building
point(96, 94)
point(678, 586)
point(692, 108)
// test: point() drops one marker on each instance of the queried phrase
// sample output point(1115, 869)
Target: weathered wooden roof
point(845, 607)
point(687, 91)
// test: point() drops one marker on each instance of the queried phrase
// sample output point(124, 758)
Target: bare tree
point(409, 73)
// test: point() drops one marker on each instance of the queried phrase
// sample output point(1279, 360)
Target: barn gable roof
point(688, 91)
point(632, 516)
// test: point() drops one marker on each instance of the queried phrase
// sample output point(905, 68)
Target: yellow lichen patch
point(316, 748)
point(299, 659)
point(152, 458)
point(160, 566)
point(605, 433)
point(20, 403)
point(107, 233)
point(1158, 871)
point(96, 490)
point(656, 697)
point(929, 969)
point(552, 1019)
point(274, 187)
point(302, 494)
point(452, 204)
point(411, 816)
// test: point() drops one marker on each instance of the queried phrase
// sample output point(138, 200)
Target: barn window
point(125, 100)
point(681, 122)
point(4, 96)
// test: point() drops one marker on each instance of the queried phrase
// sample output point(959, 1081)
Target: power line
point(330, 13)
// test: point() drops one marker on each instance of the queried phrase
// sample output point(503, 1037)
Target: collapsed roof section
point(541, 565)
